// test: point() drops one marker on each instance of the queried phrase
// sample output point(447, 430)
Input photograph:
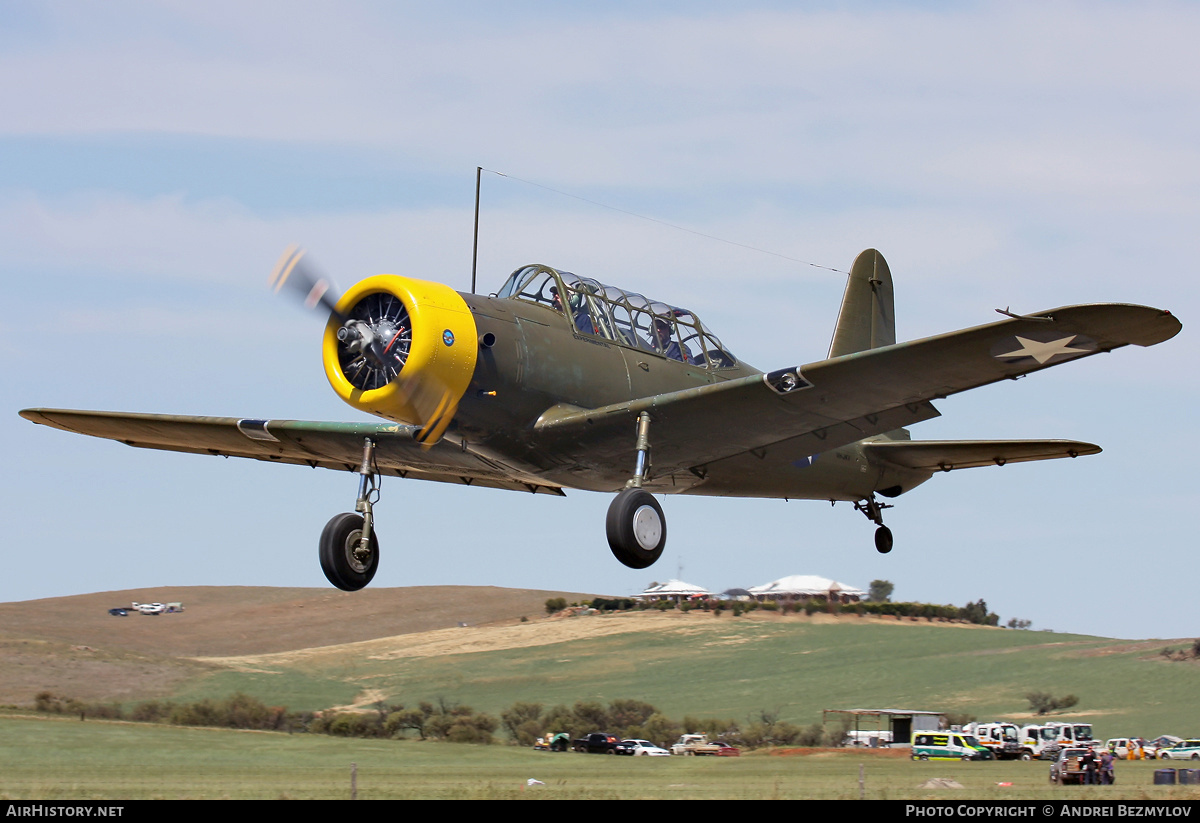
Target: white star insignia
point(1043, 352)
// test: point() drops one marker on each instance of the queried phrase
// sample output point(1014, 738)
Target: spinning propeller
point(395, 346)
point(302, 278)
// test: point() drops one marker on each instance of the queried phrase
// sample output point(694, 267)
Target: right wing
point(831, 403)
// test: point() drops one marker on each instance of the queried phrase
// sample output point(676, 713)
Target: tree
point(522, 720)
point(880, 591)
point(1044, 702)
point(978, 613)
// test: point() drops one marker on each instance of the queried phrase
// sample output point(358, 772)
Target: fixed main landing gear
point(349, 548)
point(873, 509)
point(636, 527)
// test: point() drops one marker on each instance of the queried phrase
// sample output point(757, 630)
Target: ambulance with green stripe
point(948, 746)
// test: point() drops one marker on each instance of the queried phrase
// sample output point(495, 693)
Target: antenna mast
point(475, 245)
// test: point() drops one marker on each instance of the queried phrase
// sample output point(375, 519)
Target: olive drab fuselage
point(533, 359)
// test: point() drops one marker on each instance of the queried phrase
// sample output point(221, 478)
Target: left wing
point(316, 444)
point(839, 401)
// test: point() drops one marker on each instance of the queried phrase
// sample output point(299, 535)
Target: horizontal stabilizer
point(947, 455)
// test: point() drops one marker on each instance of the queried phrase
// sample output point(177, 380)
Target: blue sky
point(156, 158)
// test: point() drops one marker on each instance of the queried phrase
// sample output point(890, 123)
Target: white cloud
point(744, 95)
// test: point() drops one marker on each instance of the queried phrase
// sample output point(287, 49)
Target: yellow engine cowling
point(440, 361)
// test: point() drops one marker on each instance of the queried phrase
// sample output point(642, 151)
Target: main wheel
point(883, 540)
point(637, 530)
point(338, 542)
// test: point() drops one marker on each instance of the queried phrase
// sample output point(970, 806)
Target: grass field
point(61, 759)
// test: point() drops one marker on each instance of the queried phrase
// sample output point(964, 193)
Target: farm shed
point(900, 722)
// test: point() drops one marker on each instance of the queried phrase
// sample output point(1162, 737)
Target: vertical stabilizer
point(868, 316)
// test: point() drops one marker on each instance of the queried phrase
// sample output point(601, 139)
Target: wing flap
point(948, 455)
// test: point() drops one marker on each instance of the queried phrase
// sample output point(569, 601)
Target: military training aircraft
point(562, 382)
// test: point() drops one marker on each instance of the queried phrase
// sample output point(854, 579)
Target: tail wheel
point(339, 560)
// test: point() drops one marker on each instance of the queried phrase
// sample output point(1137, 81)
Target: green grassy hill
point(694, 664)
point(734, 667)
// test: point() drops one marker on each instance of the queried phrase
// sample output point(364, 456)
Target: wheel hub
point(352, 559)
point(647, 527)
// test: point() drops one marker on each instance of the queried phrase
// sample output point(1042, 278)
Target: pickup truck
point(600, 743)
point(697, 744)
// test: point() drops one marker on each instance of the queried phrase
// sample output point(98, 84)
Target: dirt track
point(497, 637)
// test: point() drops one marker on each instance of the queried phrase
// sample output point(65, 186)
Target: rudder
point(867, 319)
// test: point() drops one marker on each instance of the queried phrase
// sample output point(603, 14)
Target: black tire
point(883, 540)
point(338, 541)
point(636, 528)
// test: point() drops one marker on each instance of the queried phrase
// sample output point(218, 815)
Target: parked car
point(1130, 748)
point(119, 612)
point(694, 744)
point(1163, 741)
point(150, 608)
point(725, 750)
point(645, 748)
point(1184, 750)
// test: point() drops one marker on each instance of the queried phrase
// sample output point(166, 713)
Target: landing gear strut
point(873, 510)
point(636, 527)
point(349, 548)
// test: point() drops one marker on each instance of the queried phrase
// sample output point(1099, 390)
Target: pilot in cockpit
point(667, 344)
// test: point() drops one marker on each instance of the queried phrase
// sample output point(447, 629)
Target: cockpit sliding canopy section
point(625, 318)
